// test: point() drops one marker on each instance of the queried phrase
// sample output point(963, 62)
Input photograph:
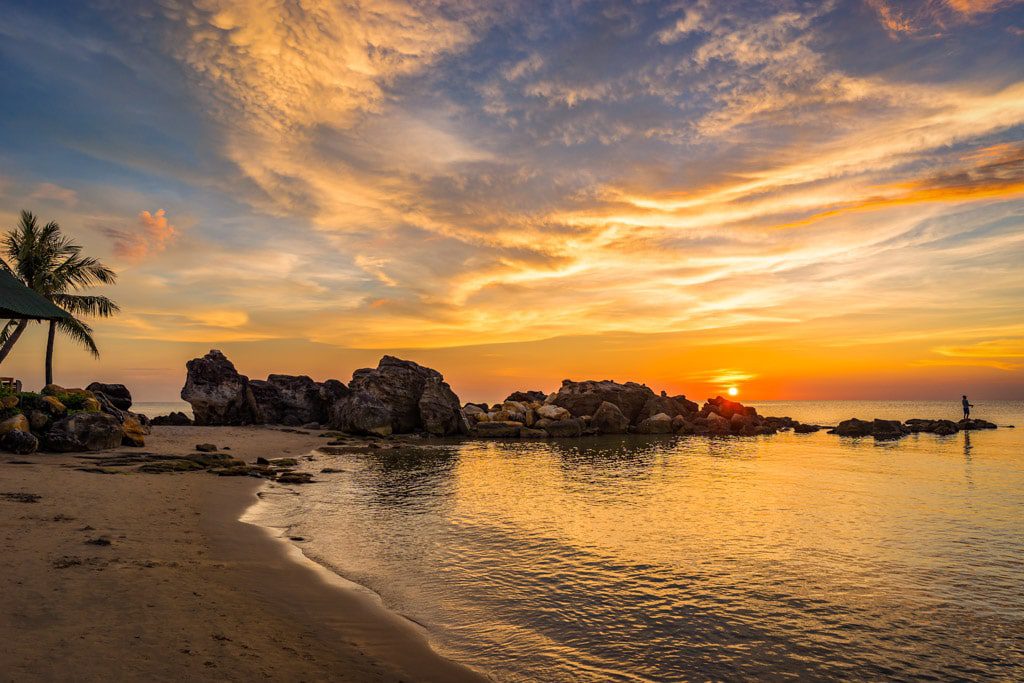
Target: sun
point(732, 391)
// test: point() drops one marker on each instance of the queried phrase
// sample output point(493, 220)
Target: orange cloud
point(153, 234)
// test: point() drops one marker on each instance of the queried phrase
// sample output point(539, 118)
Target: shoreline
point(157, 577)
point(355, 609)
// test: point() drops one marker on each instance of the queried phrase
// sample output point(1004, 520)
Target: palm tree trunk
point(49, 352)
point(22, 324)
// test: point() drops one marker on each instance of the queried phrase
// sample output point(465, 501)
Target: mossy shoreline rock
point(68, 420)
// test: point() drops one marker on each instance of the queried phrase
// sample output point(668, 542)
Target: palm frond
point(79, 333)
point(84, 304)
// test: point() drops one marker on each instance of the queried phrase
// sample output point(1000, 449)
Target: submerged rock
point(882, 430)
point(975, 424)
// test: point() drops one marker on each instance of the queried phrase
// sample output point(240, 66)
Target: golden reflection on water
point(646, 558)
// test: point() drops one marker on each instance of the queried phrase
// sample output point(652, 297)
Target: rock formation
point(118, 394)
point(176, 419)
point(398, 397)
point(584, 398)
point(219, 395)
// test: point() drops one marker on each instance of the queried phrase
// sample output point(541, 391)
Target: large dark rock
point(218, 393)
point(287, 399)
point(527, 396)
point(440, 412)
point(118, 394)
point(84, 432)
point(608, 419)
point(584, 398)
point(17, 441)
point(398, 397)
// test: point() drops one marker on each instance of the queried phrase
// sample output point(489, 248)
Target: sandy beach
point(153, 577)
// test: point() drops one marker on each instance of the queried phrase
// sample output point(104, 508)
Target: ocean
point(153, 409)
point(678, 558)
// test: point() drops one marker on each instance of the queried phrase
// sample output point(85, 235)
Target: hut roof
point(19, 302)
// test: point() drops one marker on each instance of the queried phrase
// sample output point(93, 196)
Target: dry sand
point(183, 591)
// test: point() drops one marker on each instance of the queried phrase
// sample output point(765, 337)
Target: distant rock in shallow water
point(975, 424)
point(176, 419)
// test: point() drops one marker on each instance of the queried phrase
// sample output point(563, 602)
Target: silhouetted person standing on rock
point(967, 408)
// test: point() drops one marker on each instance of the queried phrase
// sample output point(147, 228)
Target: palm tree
point(49, 262)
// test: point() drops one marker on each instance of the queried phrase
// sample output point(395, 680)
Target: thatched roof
point(19, 302)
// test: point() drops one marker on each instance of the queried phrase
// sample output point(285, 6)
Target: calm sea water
point(655, 559)
point(155, 408)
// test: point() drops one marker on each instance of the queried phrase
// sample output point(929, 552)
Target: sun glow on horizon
point(725, 193)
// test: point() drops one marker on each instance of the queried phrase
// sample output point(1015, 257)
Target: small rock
point(206, 447)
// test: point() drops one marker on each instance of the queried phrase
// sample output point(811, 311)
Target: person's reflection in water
point(967, 444)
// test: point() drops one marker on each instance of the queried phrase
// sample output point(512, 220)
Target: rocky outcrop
point(398, 397)
point(84, 432)
point(218, 393)
point(118, 394)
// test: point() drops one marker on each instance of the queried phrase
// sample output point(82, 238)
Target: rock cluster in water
point(396, 397)
point(607, 407)
point(70, 420)
point(889, 430)
point(402, 397)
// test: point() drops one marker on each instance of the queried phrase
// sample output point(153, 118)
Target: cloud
point(151, 236)
point(50, 192)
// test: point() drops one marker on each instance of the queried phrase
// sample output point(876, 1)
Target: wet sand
point(153, 577)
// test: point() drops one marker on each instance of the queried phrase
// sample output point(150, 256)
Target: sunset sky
point(800, 199)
